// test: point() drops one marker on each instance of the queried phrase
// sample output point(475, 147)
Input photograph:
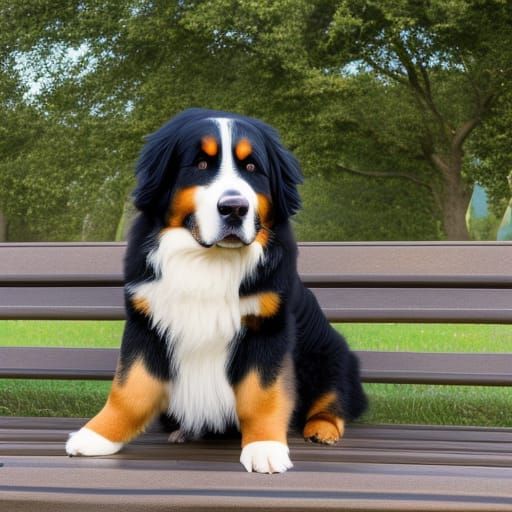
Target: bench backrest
point(368, 282)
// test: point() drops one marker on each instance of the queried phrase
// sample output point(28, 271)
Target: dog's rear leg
point(324, 423)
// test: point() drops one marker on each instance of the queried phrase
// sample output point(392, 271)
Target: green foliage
point(484, 229)
point(494, 149)
point(380, 89)
point(341, 207)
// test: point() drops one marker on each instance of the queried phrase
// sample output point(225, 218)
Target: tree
point(18, 127)
point(447, 62)
point(383, 90)
point(453, 61)
point(64, 173)
point(494, 149)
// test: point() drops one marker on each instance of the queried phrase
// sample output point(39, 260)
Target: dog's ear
point(285, 175)
point(154, 171)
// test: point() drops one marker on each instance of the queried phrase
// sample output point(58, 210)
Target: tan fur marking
point(264, 412)
point(322, 425)
point(321, 404)
point(264, 210)
point(263, 237)
point(141, 304)
point(269, 304)
point(182, 205)
point(209, 146)
point(131, 404)
point(243, 149)
point(323, 430)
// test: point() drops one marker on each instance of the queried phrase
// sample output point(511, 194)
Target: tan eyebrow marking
point(243, 149)
point(209, 145)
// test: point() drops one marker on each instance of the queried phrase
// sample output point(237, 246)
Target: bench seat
point(374, 468)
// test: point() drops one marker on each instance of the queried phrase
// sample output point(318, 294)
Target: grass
point(64, 333)
point(429, 337)
point(390, 403)
point(51, 397)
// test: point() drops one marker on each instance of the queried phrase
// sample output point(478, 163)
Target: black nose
point(233, 205)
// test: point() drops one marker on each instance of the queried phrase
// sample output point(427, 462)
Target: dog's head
point(224, 177)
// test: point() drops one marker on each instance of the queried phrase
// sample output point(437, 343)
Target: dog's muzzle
point(233, 208)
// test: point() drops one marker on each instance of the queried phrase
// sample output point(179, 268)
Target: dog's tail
point(355, 401)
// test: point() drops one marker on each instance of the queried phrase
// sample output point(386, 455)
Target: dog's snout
point(233, 205)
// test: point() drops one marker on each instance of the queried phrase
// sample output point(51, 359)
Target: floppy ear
point(154, 171)
point(285, 175)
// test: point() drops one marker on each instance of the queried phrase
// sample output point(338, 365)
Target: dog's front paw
point(88, 442)
point(266, 457)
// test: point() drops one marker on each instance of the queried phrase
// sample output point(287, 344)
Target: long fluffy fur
point(208, 313)
point(321, 356)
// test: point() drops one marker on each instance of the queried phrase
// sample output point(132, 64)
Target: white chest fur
point(195, 305)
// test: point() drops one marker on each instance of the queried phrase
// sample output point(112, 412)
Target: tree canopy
point(394, 107)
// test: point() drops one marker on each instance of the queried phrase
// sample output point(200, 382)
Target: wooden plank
point(370, 304)
point(320, 264)
point(61, 262)
point(468, 305)
point(374, 468)
point(481, 369)
point(361, 443)
point(413, 262)
point(62, 303)
point(58, 363)
point(54, 484)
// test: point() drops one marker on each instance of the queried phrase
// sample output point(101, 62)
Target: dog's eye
point(250, 167)
point(202, 165)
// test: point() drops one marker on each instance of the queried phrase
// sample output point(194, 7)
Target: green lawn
point(390, 403)
point(62, 333)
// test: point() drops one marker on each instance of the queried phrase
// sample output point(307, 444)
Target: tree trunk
point(455, 203)
point(127, 217)
point(455, 195)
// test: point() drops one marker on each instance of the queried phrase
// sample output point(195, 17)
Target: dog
point(220, 330)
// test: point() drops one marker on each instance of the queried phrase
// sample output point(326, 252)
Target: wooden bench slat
point(466, 305)
point(419, 263)
point(39, 425)
point(346, 305)
point(436, 368)
point(387, 468)
point(62, 302)
point(352, 449)
point(74, 262)
point(58, 363)
point(384, 367)
point(48, 485)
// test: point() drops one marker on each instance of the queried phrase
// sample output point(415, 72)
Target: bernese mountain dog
point(220, 330)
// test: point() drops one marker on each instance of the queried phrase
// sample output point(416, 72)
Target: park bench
point(374, 468)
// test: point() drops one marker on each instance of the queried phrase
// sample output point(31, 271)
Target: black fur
point(322, 359)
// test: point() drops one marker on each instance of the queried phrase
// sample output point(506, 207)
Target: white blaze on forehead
point(227, 166)
point(207, 198)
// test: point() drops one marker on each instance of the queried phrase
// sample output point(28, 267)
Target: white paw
point(266, 457)
point(88, 442)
